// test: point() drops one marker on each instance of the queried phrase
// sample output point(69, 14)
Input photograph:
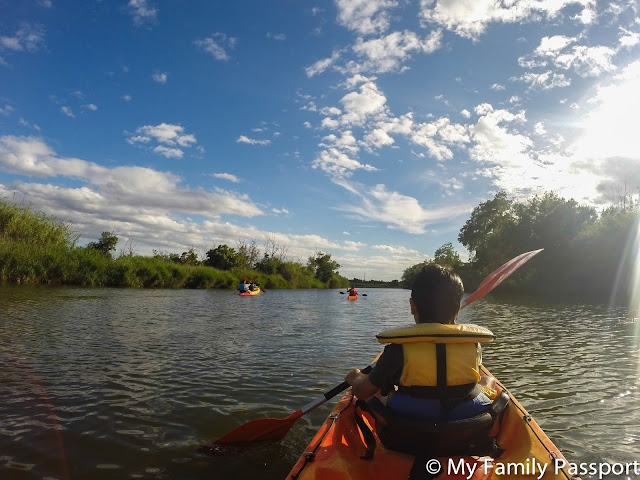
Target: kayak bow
point(336, 451)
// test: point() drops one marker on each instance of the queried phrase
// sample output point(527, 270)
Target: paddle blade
point(496, 277)
point(261, 429)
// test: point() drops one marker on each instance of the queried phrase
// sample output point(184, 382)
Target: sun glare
point(627, 282)
point(610, 128)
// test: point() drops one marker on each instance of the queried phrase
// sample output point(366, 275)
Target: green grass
point(35, 248)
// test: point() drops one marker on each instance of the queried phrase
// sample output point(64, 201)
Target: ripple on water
point(133, 381)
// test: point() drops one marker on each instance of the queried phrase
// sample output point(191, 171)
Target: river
point(124, 383)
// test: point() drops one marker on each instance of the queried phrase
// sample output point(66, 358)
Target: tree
point(268, 265)
point(106, 244)
point(487, 220)
point(323, 266)
point(247, 254)
point(222, 257)
point(446, 255)
point(189, 258)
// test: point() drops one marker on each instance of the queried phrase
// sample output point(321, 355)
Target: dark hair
point(437, 292)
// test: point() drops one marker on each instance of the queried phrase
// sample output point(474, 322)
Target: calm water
point(119, 384)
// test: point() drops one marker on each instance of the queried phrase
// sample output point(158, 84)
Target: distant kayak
point(337, 450)
point(250, 292)
point(352, 297)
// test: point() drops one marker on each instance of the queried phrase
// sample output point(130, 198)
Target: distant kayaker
point(407, 372)
point(244, 286)
point(352, 292)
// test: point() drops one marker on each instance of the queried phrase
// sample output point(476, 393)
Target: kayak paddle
point(361, 294)
point(277, 428)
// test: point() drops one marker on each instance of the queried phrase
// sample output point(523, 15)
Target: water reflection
point(132, 381)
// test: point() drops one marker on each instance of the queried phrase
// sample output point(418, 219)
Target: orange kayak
point(352, 297)
point(336, 450)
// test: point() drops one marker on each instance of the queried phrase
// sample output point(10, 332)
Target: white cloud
point(226, 176)
point(494, 142)
point(126, 98)
point(628, 38)
point(365, 16)
point(395, 249)
point(359, 106)
point(551, 46)
point(337, 163)
point(6, 110)
point(585, 61)
point(29, 37)
point(436, 135)
point(142, 11)
point(544, 81)
point(67, 111)
point(279, 211)
point(330, 111)
point(471, 18)
point(251, 141)
point(168, 152)
point(160, 77)
point(387, 54)
point(399, 211)
point(345, 142)
point(91, 106)
point(165, 133)
point(277, 36)
point(216, 45)
point(378, 138)
point(122, 192)
point(321, 65)
point(171, 138)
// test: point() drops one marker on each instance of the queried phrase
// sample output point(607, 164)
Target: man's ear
point(414, 309)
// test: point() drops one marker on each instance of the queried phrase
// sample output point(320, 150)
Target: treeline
point(360, 283)
point(35, 248)
point(587, 255)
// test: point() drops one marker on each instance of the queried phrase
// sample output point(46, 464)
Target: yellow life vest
point(419, 350)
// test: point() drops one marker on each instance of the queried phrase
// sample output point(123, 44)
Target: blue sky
point(369, 129)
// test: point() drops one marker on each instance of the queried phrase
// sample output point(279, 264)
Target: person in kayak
point(431, 370)
point(352, 292)
point(244, 286)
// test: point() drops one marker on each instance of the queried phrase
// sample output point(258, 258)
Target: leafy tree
point(268, 265)
point(446, 255)
point(106, 244)
point(247, 254)
point(488, 221)
point(222, 257)
point(189, 258)
point(323, 266)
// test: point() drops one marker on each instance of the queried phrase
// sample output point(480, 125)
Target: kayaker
point(352, 292)
point(407, 371)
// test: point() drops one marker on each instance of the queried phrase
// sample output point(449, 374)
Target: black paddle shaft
point(343, 386)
